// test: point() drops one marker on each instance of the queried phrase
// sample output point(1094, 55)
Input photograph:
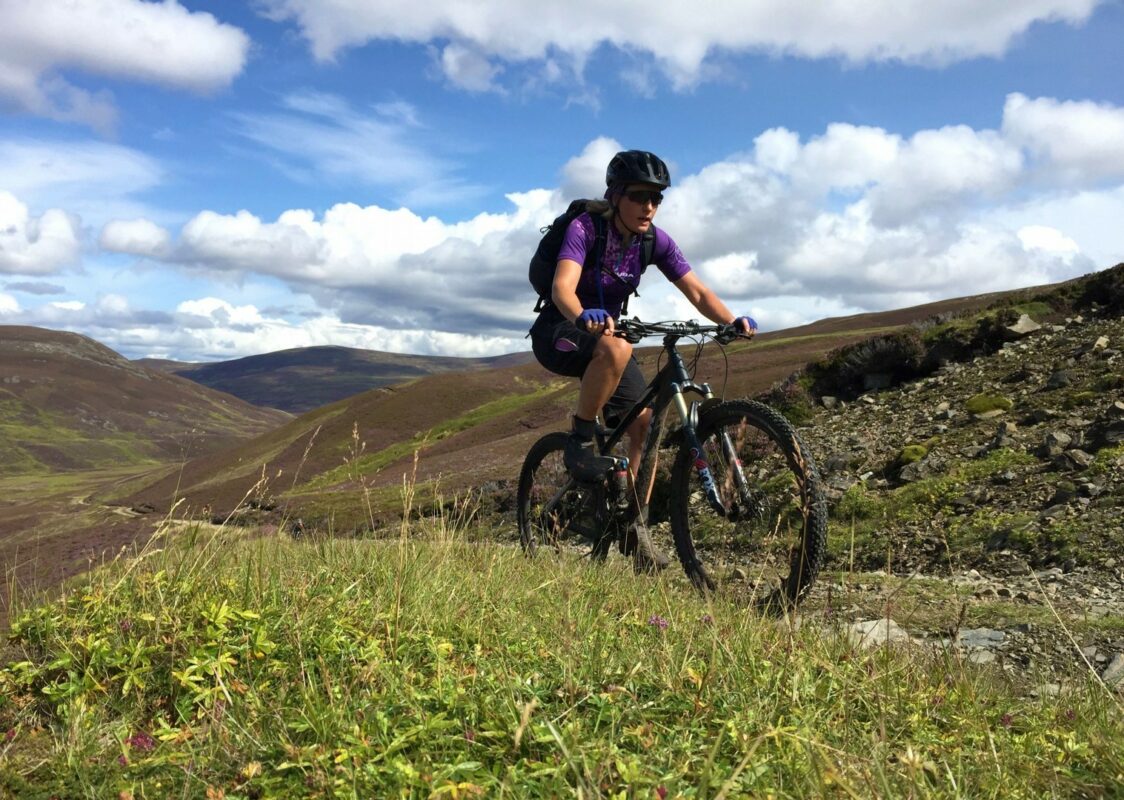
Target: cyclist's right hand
point(747, 326)
point(594, 320)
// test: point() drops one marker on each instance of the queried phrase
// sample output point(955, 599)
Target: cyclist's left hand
point(747, 326)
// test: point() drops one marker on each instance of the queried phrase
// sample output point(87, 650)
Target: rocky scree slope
point(997, 487)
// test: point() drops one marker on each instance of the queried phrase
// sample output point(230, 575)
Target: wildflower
point(706, 619)
point(661, 792)
point(469, 735)
point(123, 761)
point(141, 741)
point(11, 734)
point(125, 625)
point(656, 621)
point(1006, 720)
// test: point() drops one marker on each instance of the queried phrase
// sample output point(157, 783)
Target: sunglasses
point(642, 196)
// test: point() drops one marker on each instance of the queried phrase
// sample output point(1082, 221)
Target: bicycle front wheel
point(551, 507)
point(768, 542)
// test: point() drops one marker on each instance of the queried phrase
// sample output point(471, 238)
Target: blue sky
point(205, 180)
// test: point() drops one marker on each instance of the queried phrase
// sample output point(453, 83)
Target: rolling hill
point(69, 403)
point(342, 468)
point(471, 429)
point(301, 379)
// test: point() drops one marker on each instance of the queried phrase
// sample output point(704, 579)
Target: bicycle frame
point(670, 387)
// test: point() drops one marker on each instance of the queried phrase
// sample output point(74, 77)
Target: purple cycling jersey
point(622, 270)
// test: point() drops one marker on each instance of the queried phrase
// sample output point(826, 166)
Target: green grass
point(35, 441)
point(358, 464)
point(1035, 309)
point(250, 668)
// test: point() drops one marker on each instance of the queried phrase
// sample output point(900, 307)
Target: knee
point(613, 351)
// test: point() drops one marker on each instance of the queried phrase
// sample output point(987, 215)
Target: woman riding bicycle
point(573, 334)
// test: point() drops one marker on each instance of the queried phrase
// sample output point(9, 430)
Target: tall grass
point(216, 664)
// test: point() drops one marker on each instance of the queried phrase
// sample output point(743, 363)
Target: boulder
point(1024, 327)
point(875, 632)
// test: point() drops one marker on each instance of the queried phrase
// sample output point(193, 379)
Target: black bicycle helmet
point(637, 166)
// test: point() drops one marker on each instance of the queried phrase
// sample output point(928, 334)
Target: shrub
point(843, 372)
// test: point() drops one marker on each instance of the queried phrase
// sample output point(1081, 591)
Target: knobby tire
point(774, 551)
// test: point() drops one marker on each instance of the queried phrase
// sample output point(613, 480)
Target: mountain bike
point(743, 499)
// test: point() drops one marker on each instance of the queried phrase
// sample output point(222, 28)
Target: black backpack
point(545, 259)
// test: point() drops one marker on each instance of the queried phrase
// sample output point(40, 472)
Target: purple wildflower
point(706, 619)
point(11, 734)
point(1006, 720)
point(656, 621)
point(469, 735)
point(141, 741)
point(125, 625)
point(123, 761)
point(661, 792)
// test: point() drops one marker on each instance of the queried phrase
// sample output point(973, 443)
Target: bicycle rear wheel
point(552, 509)
point(770, 545)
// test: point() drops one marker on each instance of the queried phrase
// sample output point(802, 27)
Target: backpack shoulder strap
point(647, 249)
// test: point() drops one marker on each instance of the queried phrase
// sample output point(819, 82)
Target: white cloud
point(687, 33)
point(322, 137)
point(469, 69)
point(94, 180)
point(1091, 219)
point(139, 237)
point(35, 245)
point(857, 217)
point(160, 43)
point(1050, 240)
point(209, 328)
point(1082, 141)
point(8, 304)
point(853, 219)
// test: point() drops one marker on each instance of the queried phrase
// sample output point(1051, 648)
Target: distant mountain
point(70, 403)
point(305, 378)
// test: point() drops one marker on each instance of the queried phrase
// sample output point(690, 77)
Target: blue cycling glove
point(750, 322)
point(598, 316)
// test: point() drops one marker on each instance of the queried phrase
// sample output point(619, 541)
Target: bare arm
point(702, 298)
point(564, 293)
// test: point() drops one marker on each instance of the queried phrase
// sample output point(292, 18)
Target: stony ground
point(983, 507)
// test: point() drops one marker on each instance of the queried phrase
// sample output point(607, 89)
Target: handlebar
point(633, 330)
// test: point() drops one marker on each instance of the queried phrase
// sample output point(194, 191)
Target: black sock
point(584, 428)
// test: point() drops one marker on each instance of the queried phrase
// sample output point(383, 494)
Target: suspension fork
point(690, 416)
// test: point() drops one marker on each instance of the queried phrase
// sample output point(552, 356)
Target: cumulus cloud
point(160, 43)
point(788, 229)
point(857, 217)
point(8, 305)
point(139, 237)
point(35, 245)
point(1081, 141)
point(882, 30)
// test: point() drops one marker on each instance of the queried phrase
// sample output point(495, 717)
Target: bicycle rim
point(550, 506)
point(772, 549)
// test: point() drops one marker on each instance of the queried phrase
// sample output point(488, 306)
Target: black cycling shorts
point(563, 349)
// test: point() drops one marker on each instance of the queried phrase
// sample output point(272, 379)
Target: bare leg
point(604, 372)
